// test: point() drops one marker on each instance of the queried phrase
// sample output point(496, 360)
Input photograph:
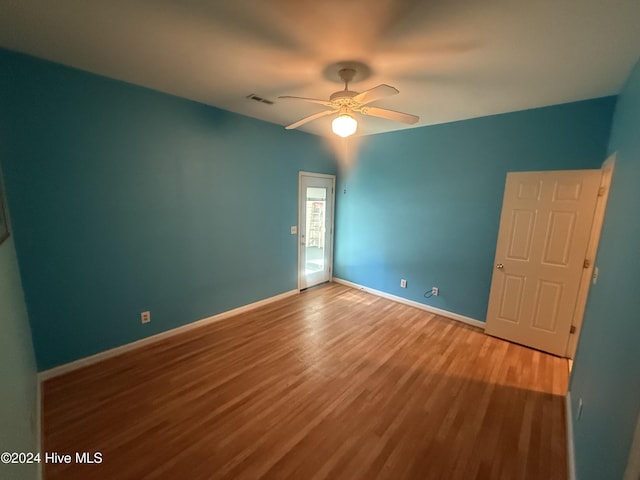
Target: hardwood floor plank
point(333, 383)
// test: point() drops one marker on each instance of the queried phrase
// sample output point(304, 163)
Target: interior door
point(315, 224)
point(545, 227)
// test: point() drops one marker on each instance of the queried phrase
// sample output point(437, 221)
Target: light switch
point(294, 229)
point(594, 275)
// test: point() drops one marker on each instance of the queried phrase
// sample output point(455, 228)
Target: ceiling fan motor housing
point(343, 97)
point(342, 94)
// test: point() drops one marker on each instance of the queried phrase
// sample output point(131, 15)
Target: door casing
point(588, 273)
point(301, 222)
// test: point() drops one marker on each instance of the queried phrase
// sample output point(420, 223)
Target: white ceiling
point(450, 59)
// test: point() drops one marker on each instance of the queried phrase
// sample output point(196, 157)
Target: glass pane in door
point(316, 206)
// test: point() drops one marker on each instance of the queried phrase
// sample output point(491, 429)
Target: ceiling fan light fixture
point(344, 125)
point(346, 102)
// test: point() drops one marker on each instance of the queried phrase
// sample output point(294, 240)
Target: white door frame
point(592, 249)
point(633, 466)
point(302, 226)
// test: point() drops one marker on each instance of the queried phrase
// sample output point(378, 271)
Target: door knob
point(499, 266)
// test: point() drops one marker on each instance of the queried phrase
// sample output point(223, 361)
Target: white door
point(315, 225)
point(540, 256)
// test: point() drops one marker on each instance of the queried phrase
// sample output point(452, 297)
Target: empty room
point(319, 240)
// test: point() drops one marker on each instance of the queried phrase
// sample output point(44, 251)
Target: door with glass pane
point(315, 228)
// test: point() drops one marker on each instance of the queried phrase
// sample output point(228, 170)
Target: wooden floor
point(332, 383)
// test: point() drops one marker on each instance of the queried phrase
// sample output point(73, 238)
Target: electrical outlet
point(403, 283)
point(145, 317)
point(435, 291)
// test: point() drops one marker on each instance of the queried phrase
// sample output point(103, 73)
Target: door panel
point(315, 207)
point(559, 236)
point(521, 234)
point(512, 298)
point(548, 295)
point(544, 233)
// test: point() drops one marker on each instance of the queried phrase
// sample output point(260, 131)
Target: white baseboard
point(83, 362)
point(422, 306)
point(571, 458)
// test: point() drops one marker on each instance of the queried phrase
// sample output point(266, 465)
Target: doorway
point(316, 195)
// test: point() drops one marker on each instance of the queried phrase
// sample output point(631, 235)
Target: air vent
point(258, 98)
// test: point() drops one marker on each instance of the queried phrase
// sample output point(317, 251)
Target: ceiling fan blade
point(310, 118)
point(375, 93)
point(326, 103)
point(390, 115)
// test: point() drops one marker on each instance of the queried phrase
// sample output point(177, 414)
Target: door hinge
point(601, 191)
point(586, 263)
point(572, 330)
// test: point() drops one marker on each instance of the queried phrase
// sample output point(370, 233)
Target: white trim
point(571, 458)
point(411, 303)
point(633, 465)
point(83, 362)
point(592, 249)
point(301, 227)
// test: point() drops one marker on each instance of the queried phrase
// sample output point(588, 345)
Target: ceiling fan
point(347, 102)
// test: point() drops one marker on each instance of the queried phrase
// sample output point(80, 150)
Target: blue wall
point(606, 372)
point(424, 204)
point(17, 369)
point(125, 199)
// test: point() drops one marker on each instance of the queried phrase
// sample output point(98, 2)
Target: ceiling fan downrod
point(347, 74)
